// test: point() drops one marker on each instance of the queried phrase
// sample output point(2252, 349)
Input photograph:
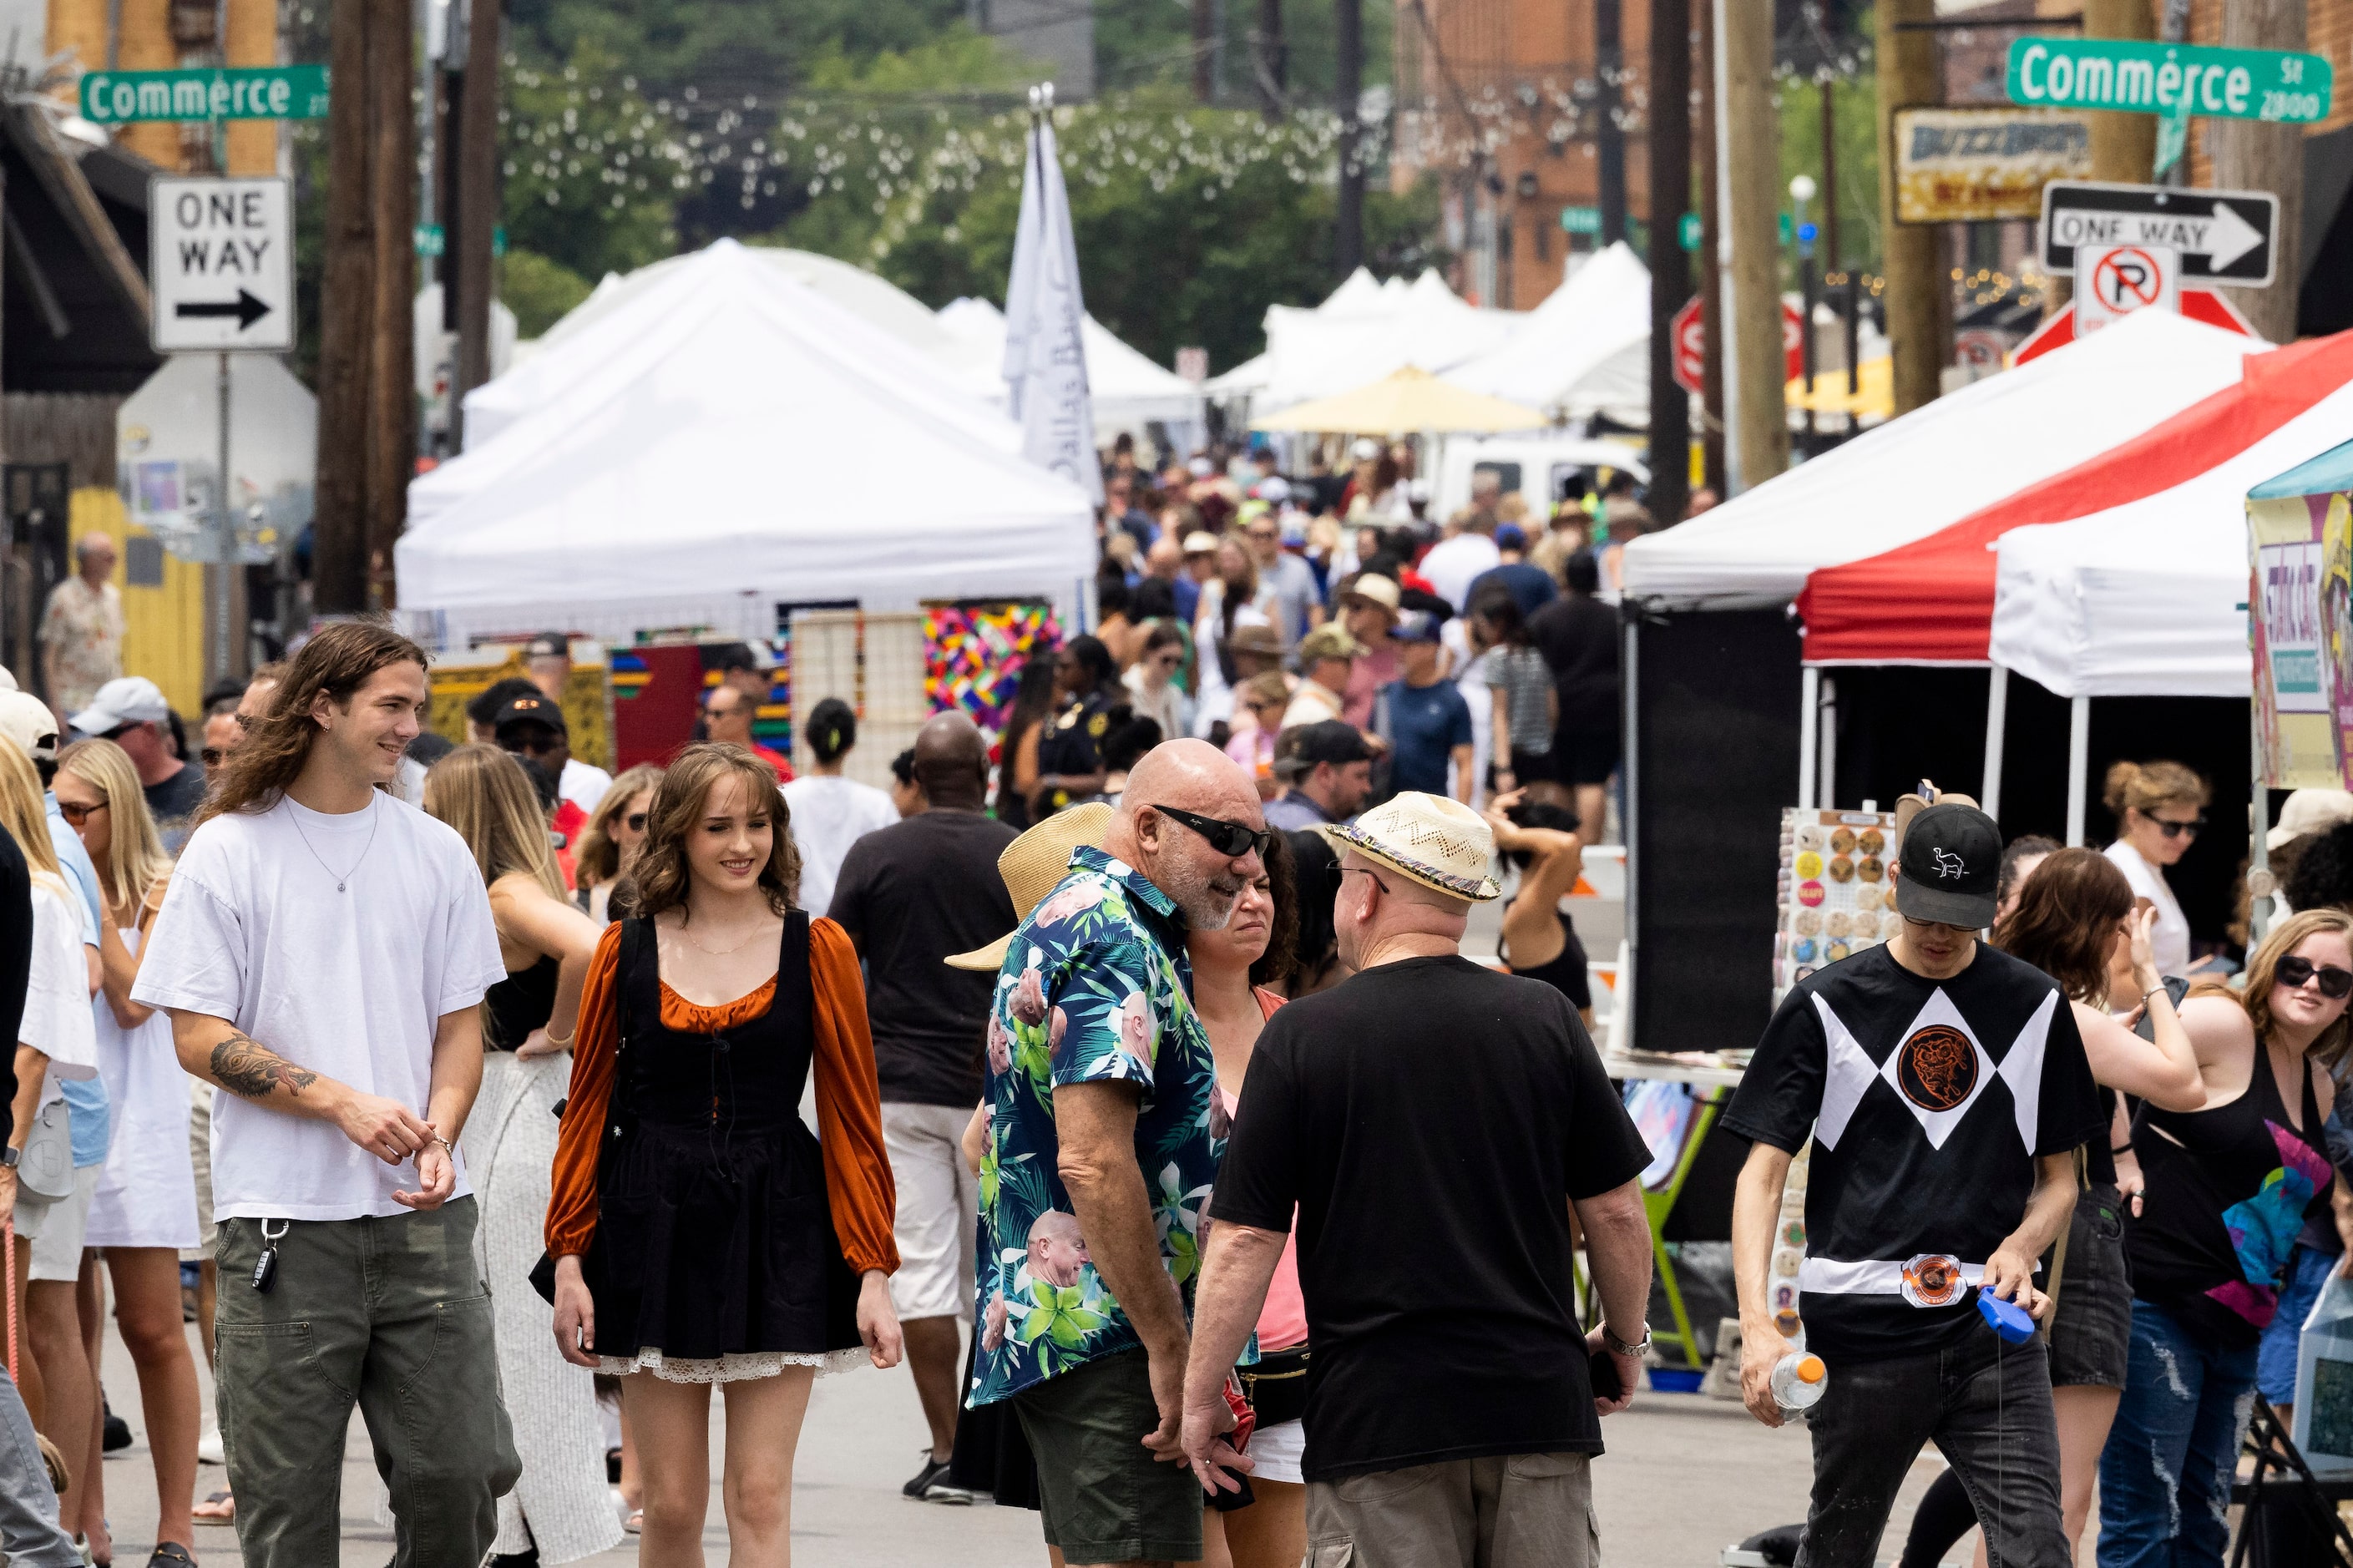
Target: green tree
point(591, 171)
point(539, 292)
point(1854, 127)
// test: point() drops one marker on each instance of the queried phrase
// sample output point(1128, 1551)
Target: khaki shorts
point(54, 1226)
point(938, 1198)
point(1505, 1511)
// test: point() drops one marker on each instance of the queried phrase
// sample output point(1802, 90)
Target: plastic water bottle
point(1800, 1381)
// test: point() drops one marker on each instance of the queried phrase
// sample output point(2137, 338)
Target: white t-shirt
point(57, 1020)
point(583, 784)
point(828, 814)
point(351, 985)
point(1453, 564)
point(2168, 942)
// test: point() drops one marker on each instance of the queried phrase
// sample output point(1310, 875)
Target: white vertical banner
point(1045, 353)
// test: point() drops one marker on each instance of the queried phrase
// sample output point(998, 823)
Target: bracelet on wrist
point(2154, 990)
point(2120, 1149)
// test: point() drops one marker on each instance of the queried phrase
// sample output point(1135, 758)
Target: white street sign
point(2114, 281)
point(220, 263)
point(2225, 237)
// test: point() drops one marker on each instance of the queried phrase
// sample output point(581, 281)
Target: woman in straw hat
point(682, 1160)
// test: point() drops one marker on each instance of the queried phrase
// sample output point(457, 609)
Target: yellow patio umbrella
point(1873, 398)
point(1409, 401)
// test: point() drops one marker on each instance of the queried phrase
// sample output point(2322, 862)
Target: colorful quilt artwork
point(974, 655)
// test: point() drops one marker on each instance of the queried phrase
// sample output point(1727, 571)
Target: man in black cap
point(533, 728)
point(1945, 1087)
point(548, 657)
point(1330, 771)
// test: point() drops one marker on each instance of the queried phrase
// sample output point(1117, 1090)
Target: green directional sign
point(1688, 231)
point(1580, 220)
point(2173, 79)
point(234, 92)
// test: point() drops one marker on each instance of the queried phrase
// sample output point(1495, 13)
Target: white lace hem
point(727, 1368)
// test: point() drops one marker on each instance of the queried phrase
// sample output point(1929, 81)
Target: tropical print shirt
point(1096, 987)
point(83, 628)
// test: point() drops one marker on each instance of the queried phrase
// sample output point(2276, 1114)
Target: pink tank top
point(1282, 1320)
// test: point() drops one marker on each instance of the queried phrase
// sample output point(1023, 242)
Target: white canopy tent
point(1935, 465)
point(1128, 389)
point(759, 450)
point(687, 288)
point(863, 293)
point(1360, 334)
point(1585, 350)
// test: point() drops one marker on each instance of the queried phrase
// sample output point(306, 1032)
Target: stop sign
point(1688, 332)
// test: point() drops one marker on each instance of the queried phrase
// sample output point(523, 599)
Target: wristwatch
point(9, 1156)
point(1617, 1346)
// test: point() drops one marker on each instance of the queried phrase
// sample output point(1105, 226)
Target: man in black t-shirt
point(1430, 1123)
point(1944, 1086)
point(909, 895)
point(1579, 638)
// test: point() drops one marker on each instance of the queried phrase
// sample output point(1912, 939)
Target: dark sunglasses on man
point(1231, 839)
point(2293, 970)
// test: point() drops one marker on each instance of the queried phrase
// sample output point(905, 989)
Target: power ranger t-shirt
point(1929, 1102)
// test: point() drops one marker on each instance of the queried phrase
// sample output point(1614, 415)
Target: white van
point(1532, 466)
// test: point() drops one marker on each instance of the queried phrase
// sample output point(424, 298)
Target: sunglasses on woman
point(76, 813)
point(2176, 830)
point(637, 821)
point(2335, 984)
point(1231, 839)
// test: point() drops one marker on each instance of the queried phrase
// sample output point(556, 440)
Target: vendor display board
point(874, 662)
point(589, 694)
point(1790, 1251)
point(974, 654)
point(658, 698)
point(1834, 895)
point(2300, 621)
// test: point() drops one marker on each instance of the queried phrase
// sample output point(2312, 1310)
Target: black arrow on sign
point(245, 309)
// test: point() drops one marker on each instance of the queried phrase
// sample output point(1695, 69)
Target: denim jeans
point(2307, 1271)
point(1987, 1405)
point(28, 1508)
point(2165, 1475)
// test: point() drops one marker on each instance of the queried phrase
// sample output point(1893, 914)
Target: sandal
point(635, 1523)
point(218, 1508)
point(171, 1554)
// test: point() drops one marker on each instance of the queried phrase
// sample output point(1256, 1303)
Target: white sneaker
point(209, 1450)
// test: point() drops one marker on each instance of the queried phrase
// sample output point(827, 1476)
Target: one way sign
point(221, 263)
point(2229, 237)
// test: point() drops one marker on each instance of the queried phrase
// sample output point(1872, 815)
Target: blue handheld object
point(2008, 1319)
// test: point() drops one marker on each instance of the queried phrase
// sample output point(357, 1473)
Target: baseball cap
point(1273, 488)
point(1365, 450)
point(1372, 588)
point(26, 719)
point(126, 699)
point(1255, 639)
point(1950, 867)
point(2309, 810)
point(531, 710)
point(1511, 536)
point(1416, 626)
point(1302, 747)
point(1200, 542)
point(548, 645)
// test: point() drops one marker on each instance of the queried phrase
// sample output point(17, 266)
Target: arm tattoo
point(244, 1066)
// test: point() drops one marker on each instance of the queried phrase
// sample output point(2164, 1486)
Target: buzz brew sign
point(219, 254)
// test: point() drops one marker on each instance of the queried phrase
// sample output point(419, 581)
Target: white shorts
point(1276, 1451)
point(55, 1227)
point(939, 1199)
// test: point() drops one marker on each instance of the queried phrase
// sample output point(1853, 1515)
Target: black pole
point(1347, 88)
point(1609, 59)
point(1670, 195)
point(1272, 61)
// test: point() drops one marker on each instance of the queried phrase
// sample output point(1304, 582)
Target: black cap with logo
point(1948, 867)
point(532, 710)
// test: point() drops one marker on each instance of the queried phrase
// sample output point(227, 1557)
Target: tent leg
point(2259, 825)
point(1827, 794)
point(1997, 722)
point(1810, 721)
point(2079, 758)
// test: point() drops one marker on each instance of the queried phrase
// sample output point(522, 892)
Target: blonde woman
point(559, 1507)
point(144, 1210)
point(47, 1198)
point(615, 830)
point(2159, 809)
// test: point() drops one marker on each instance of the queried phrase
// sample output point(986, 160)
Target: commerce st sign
point(2176, 79)
point(235, 92)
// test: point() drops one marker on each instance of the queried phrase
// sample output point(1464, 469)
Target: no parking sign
point(2114, 281)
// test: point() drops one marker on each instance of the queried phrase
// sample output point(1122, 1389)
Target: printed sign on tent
point(2299, 602)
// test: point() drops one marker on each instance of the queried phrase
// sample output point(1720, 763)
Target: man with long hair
point(322, 953)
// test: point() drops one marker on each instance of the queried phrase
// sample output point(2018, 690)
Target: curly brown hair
point(2068, 913)
point(336, 662)
point(1281, 955)
point(658, 875)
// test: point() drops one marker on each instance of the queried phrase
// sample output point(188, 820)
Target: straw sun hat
point(1032, 864)
point(1439, 843)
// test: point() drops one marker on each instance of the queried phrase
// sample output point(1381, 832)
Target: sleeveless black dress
point(520, 1002)
point(714, 1256)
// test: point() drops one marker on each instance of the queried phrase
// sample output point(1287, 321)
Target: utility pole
point(1205, 24)
point(367, 416)
point(2124, 146)
point(2253, 155)
point(1670, 127)
point(1919, 302)
point(1610, 62)
point(1348, 91)
point(1272, 62)
point(1750, 134)
point(1711, 241)
point(475, 161)
point(251, 39)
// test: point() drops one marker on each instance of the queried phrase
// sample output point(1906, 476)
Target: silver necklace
point(342, 877)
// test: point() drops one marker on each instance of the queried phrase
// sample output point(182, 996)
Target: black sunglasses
point(2293, 970)
point(212, 756)
point(1339, 874)
point(637, 821)
point(1231, 839)
point(2176, 830)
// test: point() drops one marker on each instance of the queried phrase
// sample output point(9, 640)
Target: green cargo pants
point(392, 1313)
